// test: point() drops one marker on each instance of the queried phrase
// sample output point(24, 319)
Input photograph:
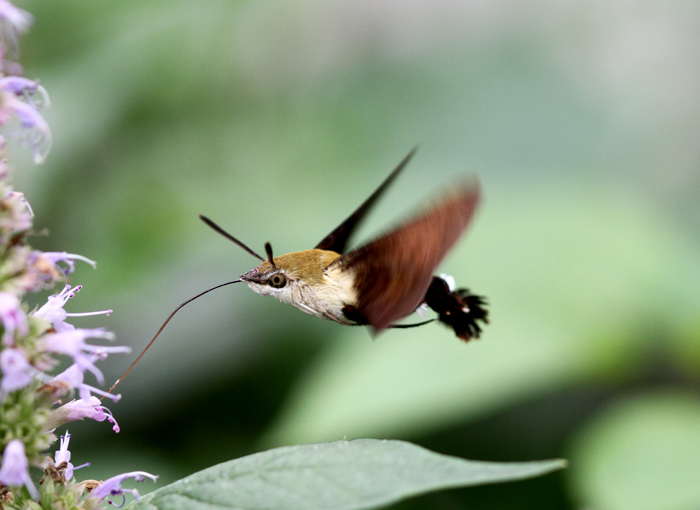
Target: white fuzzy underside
point(325, 300)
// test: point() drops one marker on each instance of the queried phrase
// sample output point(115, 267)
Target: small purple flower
point(72, 343)
point(63, 455)
point(44, 268)
point(12, 317)
point(34, 131)
point(74, 377)
point(18, 102)
point(40, 271)
point(20, 196)
point(15, 467)
point(16, 213)
point(67, 258)
point(78, 409)
point(19, 19)
point(26, 88)
point(112, 486)
point(14, 22)
point(16, 370)
point(53, 310)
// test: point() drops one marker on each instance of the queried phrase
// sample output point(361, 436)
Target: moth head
point(280, 276)
point(268, 278)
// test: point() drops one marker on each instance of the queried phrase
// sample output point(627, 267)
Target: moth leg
point(414, 325)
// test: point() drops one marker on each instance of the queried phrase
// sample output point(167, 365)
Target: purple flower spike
point(112, 486)
point(15, 467)
point(12, 316)
point(15, 370)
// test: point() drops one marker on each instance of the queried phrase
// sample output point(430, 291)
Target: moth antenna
point(229, 236)
point(268, 250)
point(161, 329)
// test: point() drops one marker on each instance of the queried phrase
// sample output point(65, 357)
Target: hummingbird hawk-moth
point(384, 280)
point(380, 282)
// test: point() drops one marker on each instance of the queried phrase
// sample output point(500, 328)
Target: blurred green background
point(276, 119)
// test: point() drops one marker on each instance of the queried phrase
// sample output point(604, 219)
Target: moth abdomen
point(459, 309)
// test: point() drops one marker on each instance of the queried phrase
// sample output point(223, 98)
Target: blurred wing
point(336, 240)
point(392, 273)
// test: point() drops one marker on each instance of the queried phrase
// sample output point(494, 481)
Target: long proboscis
point(163, 326)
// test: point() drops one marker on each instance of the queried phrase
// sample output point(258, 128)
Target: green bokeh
point(643, 452)
point(276, 119)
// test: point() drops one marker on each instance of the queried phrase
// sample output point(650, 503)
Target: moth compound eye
point(277, 280)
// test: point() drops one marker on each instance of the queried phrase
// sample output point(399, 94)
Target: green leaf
point(364, 473)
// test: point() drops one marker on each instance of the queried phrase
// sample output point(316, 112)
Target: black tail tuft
point(459, 309)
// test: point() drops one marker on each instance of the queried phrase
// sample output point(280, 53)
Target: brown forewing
point(393, 272)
